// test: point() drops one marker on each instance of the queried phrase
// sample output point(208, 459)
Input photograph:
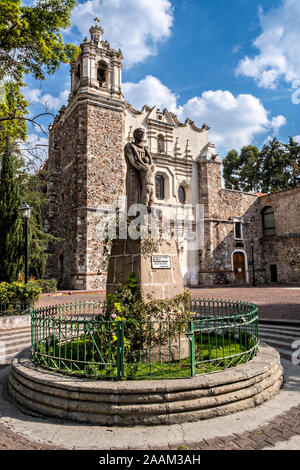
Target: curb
point(277, 421)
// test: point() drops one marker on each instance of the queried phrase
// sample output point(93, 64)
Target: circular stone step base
point(156, 402)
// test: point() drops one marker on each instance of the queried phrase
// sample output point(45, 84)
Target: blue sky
point(234, 65)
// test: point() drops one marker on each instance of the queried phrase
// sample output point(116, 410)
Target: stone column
point(85, 64)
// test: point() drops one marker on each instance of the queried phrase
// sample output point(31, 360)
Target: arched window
point(160, 187)
point(268, 222)
point(181, 194)
point(238, 230)
point(78, 72)
point(160, 144)
point(101, 73)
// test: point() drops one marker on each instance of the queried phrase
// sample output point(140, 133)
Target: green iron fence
point(14, 309)
point(77, 339)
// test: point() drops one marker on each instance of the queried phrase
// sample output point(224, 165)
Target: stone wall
point(283, 249)
point(106, 171)
point(66, 190)
point(222, 207)
point(86, 169)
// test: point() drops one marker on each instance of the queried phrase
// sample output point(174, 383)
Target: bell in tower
point(102, 70)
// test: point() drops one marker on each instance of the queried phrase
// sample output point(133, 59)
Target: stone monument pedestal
point(159, 274)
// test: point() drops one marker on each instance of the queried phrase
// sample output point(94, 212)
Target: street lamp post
point(253, 265)
point(26, 211)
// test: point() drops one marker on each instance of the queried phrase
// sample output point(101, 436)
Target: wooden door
point(239, 265)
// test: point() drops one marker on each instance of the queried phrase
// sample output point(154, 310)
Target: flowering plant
point(19, 293)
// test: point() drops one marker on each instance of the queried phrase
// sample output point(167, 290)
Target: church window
point(238, 231)
point(181, 195)
point(78, 74)
point(160, 144)
point(268, 222)
point(160, 187)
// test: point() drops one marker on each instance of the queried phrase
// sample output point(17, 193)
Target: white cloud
point(278, 122)
point(150, 91)
point(236, 48)
point(134, 26)
point(35, 149)
point(278, 45)
point(297, 139)
point(235, 120)
point(50, 102)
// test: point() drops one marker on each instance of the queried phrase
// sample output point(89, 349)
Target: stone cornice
point(135, 111)
point(160, 125)
point(86, 97)
point(189, 122)
point(174, 161)
point(239, 192)
point(172, 116)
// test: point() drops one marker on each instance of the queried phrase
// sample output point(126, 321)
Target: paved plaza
point(273, 302)
point(273, 425)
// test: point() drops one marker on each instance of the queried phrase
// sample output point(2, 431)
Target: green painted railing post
point(120, 349)
point(191, 336)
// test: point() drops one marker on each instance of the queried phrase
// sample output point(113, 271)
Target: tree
point(30, 43)
point(11, 234)
point(32, 187)
point(31, 39)
point(281, 165)
point(250, 163)
point(275, 168)
point(293, 149)
point(18, 184)
point(242, 172)
point(230, 170)
point(13, 105)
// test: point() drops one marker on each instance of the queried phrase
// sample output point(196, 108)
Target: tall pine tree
point(275, 168)
point(242, 172)
point(33, 192)
point(11, 229)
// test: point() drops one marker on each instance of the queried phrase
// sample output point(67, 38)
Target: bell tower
point(98, 67)
point(86, 165)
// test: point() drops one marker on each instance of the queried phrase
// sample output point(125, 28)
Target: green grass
point(212, 354)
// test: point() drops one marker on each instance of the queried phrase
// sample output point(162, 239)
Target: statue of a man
point(140, 171)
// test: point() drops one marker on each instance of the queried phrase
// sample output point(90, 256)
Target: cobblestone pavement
point(12, 441)
point(280, 429)
point(273, 302)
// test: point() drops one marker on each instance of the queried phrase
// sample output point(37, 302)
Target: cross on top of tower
point(96, 32)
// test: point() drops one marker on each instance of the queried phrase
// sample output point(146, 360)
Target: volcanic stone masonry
point(86, 169)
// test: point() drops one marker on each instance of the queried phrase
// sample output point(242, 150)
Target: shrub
point(6, 293)
point(47, 285)
point(19, 293)
point(126, 304)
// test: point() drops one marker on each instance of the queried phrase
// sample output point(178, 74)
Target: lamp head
point(26, 211)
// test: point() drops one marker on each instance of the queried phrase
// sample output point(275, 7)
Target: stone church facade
point(86, 169)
